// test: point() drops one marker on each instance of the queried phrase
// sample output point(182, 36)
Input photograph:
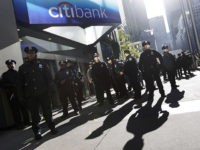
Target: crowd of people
point(30, 87)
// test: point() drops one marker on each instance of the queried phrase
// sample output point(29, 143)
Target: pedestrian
point(101, 79)
point(35, 82)
point(9, 83)
point(150, 63)
point(169, 64)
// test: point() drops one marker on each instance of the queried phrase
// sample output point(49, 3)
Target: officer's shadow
point(143, 121)
point(174, 97)
point(112, 120)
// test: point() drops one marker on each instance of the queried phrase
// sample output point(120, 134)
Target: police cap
point(10, 61)
point(96, 55)
point(126, 51)
point(62, 62)
point(164, 47)
point(30, 49)
point(145, 43)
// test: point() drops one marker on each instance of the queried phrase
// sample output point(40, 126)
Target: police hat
point(110, 58)
point(96, 55)
point(62, 62)
point(126, 51)
point(30, 49)
point(164, 47)
point(145, 43)
point(10, 61)
point(68, 61)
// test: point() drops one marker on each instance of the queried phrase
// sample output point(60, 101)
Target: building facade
point(183, 23)
point(136, 21)
point(158, 26)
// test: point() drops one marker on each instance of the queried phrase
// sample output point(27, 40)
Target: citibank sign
point(70, 12)
point(66, 9)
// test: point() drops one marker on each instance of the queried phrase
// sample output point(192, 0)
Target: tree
point(125, 44)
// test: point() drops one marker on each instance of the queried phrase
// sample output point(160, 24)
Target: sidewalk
point(123, 126)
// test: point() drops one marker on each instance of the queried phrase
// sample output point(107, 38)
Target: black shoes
point(54, 131)
point(38, 135)
point(163, 95)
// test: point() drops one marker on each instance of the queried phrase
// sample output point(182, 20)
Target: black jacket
point(34, 79)
point(131, 67)
point(150, 61)
point(169, 62)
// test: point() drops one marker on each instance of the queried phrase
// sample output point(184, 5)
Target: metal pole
point(193, 24)
point(186, 24)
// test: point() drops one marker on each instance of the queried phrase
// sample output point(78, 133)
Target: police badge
point(40, 66)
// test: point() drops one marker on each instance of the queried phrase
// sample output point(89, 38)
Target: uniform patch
point(102, 65)
point(40, 66)
point(67, 72)
point(130, 59)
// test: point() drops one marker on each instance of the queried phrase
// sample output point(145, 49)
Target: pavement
point(172, 123)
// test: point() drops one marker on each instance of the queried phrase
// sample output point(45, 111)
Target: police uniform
point(150, 63)
point(64, 79)
point(78, 87)
point(35, 81)
point(101, 79)
point(131, 70)
point(169, 64)
point(9, 83)
point(117, 77)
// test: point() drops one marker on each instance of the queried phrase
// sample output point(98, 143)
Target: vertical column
point(99, 51)
point(9, 49)
point(9, 45)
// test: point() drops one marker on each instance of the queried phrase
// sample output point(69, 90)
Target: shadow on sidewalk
point(174, 97)
point(24, 139)
point(116, 117)
point(145, 120)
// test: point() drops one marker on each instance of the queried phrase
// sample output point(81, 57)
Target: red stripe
point(67, 3)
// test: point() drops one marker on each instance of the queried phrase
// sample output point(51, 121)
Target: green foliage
point(125, 44)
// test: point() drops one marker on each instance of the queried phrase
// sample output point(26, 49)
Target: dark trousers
point(135, 83)
point(122, 86)
point(149, 80)
point(100, 89)
point(171, 76)
point(179, 72)
point(79, 95)
point(19, 111)
point(34, 104)
point(65, 96)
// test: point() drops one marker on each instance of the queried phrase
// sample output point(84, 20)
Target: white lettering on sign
point(69, 10)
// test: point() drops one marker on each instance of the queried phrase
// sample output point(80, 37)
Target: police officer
point(101, 79)
point(64, 80)
point(9, 83)
point(35, 81)
point(78, 87)
point(89, 78)
point(179, 66)
point(117, 77)
point(169, 64)
point(150, 64)
point(186, 64)
point(131, 70)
